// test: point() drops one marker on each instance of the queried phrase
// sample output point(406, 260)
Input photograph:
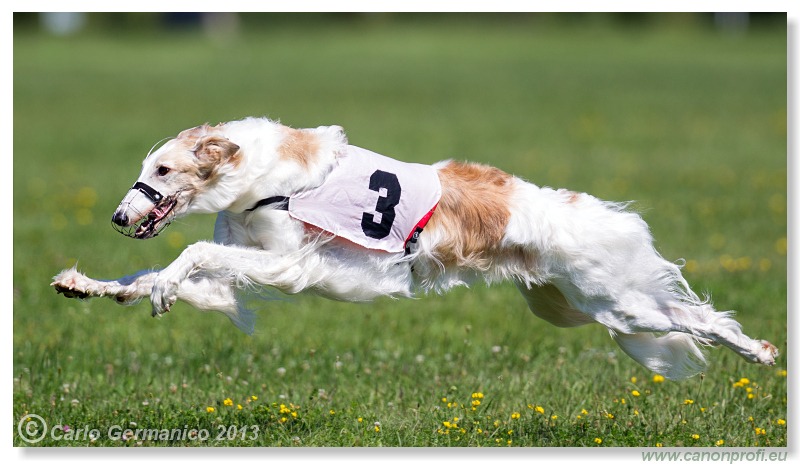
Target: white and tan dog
point(301, 210)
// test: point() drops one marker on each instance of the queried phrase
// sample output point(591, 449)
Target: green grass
point(689, 123)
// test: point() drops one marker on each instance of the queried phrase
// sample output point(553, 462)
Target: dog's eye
point(163, 170)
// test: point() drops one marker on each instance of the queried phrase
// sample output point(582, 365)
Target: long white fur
point(594, 260)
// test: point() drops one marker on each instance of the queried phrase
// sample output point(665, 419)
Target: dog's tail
point(674, 355)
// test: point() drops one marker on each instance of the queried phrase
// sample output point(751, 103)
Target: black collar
point(279, 202)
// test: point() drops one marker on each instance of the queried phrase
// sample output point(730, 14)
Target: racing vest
point(371, 200)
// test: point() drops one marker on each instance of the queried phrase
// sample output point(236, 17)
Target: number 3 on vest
point(385, 206)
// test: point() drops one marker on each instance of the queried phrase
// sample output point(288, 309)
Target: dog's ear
point(336, 137)
point(195, 132)
point(212, 152)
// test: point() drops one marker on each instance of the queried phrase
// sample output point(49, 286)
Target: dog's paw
point(72, 284)
point(163, 296)
point(767, 353)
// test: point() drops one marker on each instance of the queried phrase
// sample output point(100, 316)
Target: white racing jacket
point(371, 200)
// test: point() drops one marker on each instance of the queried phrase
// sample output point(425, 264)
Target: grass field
point(688, 122)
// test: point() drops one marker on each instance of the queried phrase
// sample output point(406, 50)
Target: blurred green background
point(685, 114)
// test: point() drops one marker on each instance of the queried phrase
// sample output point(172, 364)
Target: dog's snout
point(120, 218)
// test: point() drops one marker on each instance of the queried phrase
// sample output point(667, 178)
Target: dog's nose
point(120, 218)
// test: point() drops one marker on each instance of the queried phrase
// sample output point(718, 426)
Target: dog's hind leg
point(673, 350)
point(675, 355)
point(706, 324)
point(663, 328)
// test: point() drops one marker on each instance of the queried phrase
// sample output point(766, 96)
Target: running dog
point(302, 210)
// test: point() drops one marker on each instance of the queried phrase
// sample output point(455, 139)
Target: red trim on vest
point(420, 224)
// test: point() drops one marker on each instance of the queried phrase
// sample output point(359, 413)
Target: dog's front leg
point(126, 290)
point(228, 264)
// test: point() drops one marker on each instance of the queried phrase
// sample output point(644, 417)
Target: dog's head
point(172, 178)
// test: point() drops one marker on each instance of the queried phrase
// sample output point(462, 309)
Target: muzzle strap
point(151, 193)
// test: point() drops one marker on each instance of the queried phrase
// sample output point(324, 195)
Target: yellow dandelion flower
point(750, 419)
point(609, 415)
point(781, 246)
point(584, 412)
point(284, 419)
point(635, 412)
point(539, 409)
point(447, 424)
point(360, 420)
point(377, 429)
point(744, 381)
point(515, 415)
point(554, 417)
point(635, 393)
point(780, 422)
point(476, 403)
point(238, 407)
point(332, 412)
point(510, 432)
point(696, 436)
point(750, 395)
point(760, 431)
point(598, 440)
point(781, 373)
point(294, 414)
point(210, 409)
point(227, 402)
point(658, 379)
point(659, 445)
point(719, 442)
point(253, 398)
point(633, 379)
point(688, 402)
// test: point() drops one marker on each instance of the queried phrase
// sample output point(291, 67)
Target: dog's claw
point(157, 313)
point(163, 296)
point(70, 293)
point(768, 353)
point(68, 283)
